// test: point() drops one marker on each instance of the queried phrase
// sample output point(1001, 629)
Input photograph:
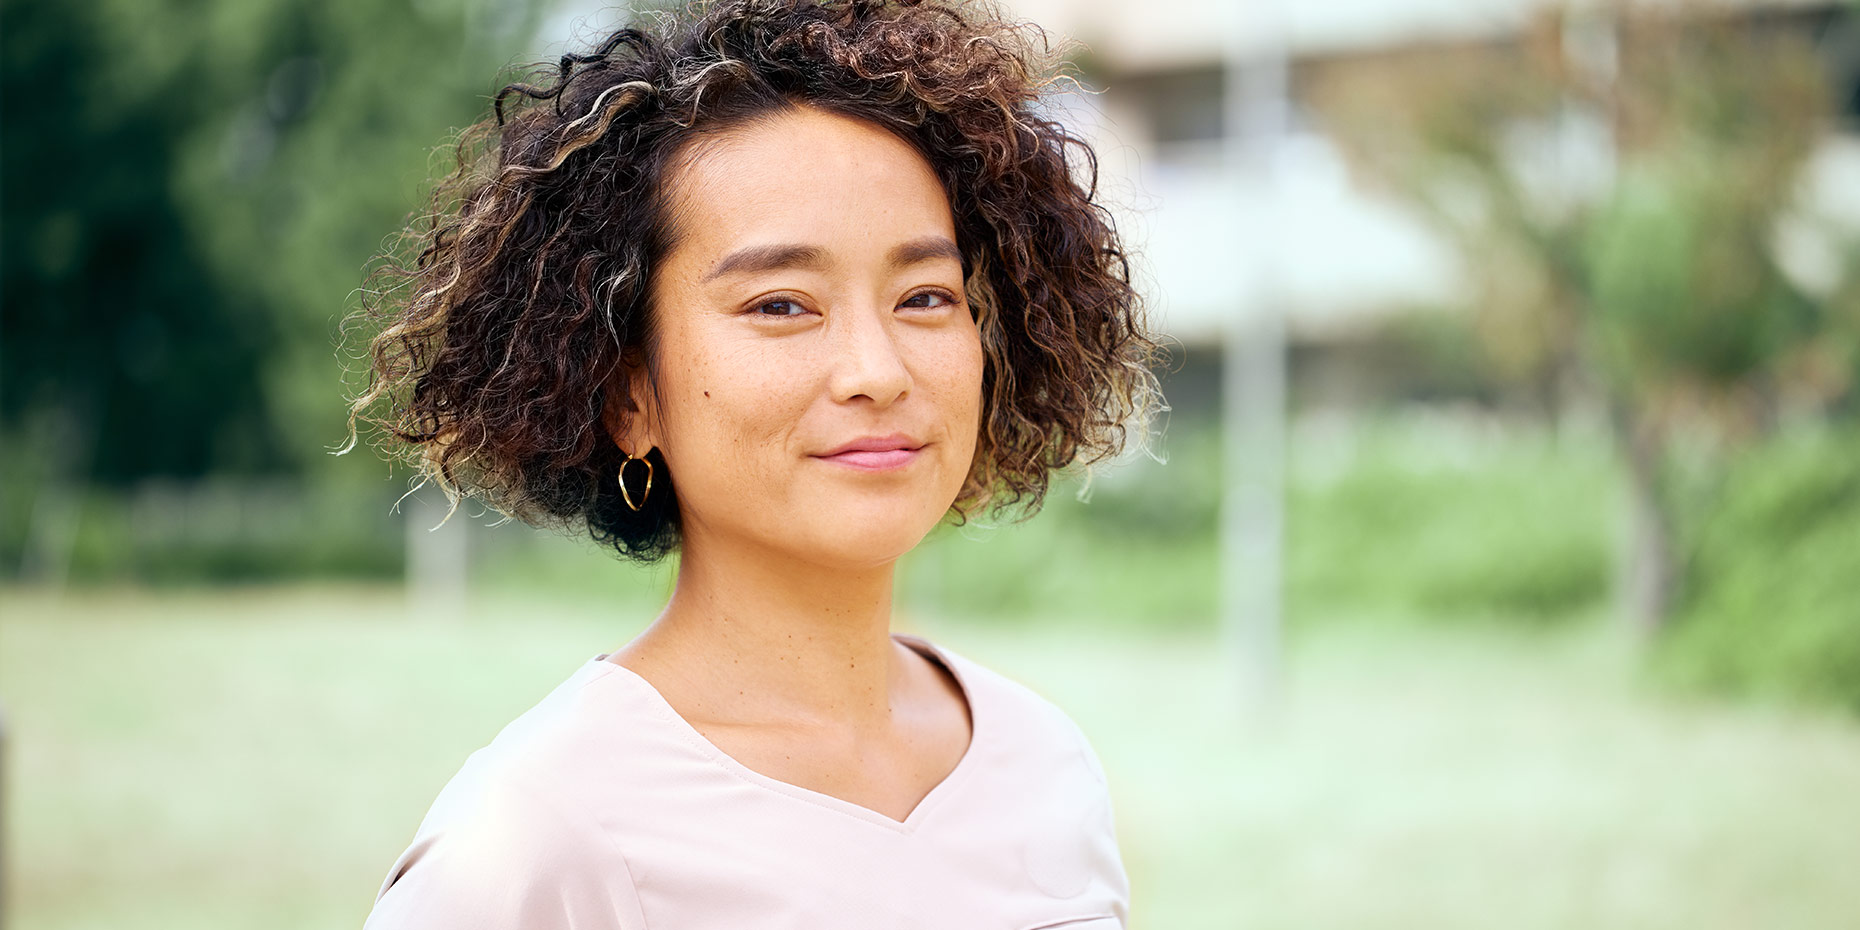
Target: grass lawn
point(257, 758)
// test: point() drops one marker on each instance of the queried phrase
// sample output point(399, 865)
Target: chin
point(867, 540)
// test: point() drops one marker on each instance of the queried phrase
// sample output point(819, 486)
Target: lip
point(876, 453)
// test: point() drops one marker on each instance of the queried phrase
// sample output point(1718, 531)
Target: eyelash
point(948, 299)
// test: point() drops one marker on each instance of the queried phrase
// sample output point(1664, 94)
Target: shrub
point(1772, 607)
point(1452, 526)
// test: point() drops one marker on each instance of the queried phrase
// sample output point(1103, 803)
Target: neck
point(780, 641)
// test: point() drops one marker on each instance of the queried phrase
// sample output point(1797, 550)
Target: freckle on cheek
point(706, 393)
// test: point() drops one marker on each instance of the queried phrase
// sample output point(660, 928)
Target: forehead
point(804, 175)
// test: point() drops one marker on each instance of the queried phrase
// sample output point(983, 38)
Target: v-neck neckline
point(911, 821)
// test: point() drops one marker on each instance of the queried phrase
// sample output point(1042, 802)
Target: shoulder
point(504, 846)
point(1026, 730)
point(1041, 759)
point(511, 861)
point(1017, 708)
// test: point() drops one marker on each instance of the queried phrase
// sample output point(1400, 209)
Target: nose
point(868, 359)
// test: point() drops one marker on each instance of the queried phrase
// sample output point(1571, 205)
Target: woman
point(778, 286)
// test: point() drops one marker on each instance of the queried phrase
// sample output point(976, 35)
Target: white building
point(1339, 256)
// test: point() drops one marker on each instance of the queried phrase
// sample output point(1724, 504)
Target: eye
point(780, 306)
point(922, 300)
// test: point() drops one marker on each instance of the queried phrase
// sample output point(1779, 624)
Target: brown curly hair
point(528, 284)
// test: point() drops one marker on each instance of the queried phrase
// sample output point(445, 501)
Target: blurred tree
point(117, 336)
point(1615, 180)
point(191, 191)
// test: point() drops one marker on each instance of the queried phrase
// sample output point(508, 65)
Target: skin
point(776, 642)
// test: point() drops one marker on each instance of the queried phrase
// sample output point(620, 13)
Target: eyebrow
point(925, 249)
point(758, 258)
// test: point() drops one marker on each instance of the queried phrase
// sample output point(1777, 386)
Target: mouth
point(876, 453)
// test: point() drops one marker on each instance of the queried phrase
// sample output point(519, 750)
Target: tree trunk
point(1649, 570)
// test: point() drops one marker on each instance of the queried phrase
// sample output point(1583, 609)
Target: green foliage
point(1683, 287)
point(192, 191)
point(1140, 551)
point(115, 324)
point(1648, 264)
point(1409, 519)
point(1405, 517)
point(219, 533)
point(1773, 607)
point(1450, 525)
point(521, 561)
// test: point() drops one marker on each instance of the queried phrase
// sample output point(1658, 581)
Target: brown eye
point(780, 308)
point(923, 300)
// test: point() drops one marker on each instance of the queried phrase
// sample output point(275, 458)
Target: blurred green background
point(1571, 542)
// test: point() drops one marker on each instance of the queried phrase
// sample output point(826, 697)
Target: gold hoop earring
point(624, 495)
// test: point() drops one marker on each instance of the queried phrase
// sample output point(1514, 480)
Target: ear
point(628, 411)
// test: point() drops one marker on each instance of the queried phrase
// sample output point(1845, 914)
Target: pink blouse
point(602, 809)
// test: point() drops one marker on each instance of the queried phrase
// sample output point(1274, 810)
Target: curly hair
point(528, 284)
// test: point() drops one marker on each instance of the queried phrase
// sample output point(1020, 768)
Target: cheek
point(726, 409)
point(959, 377)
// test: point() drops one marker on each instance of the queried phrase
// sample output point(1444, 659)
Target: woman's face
point(813, 305)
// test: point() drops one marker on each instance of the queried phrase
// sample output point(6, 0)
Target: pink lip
point(876, 453)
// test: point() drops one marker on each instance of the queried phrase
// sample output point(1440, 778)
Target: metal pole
point(1253, 380)
point(3, 803)
point(438, 550)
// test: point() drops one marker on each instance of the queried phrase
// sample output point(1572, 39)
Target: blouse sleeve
point(510, 861)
